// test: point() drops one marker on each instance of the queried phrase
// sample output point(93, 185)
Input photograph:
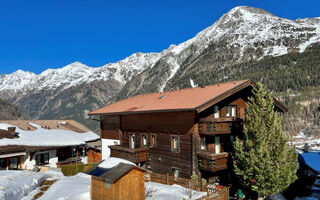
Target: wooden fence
point(213, 193)
point(72, 169)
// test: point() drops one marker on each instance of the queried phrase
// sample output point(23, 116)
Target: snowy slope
point(16, 184)
point(72, 188)
point(47, 137)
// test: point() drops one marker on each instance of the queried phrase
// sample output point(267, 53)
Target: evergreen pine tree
point(263, 160)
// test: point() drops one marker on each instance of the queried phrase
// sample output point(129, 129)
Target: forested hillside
point(294, 78)
point(9, 111)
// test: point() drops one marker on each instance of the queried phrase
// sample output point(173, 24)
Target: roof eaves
point(147, 111)
point(224, 95)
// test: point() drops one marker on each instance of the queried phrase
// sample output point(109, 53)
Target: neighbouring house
point(179, 132)
point(310, 161)
point(122, 181)
point(25, 144)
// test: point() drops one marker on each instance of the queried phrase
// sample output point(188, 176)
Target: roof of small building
point(311, 159)
point(198, 98)
point(111, 175)
point(68, 124)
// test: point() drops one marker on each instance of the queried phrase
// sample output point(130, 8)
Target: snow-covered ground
point(301, 139)
point(14, 185)
point(166, 192)
point(72, 188)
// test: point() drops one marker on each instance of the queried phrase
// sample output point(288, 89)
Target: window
point(74, 151)
point(203, 143)
point(153, 140)
point(231, 111)
point(216, 111)
point(144, 140)
point(132, 141)
point(3, 163)
point(42, 159)
point(217, 144)
point(175, 173)
point(200, 127)
point(174, 143)
point(13, 163)
point(227, 111)
point(208, 127)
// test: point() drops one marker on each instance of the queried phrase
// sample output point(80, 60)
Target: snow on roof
point(312, 159)
point(112, 161)
point(47, 137)
point(4, 126)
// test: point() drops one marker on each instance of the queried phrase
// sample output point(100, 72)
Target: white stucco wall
point(105, 149)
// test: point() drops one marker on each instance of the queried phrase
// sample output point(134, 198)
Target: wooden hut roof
point(111, 175)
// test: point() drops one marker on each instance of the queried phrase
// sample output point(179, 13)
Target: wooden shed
point(124, 181)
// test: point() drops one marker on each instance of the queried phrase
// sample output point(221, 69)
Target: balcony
point(212, 162)
point(136, 155)
point(219, 126)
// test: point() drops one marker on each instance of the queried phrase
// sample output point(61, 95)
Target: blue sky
point(36, 35)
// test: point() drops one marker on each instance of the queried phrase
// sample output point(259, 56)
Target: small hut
point(123, 181)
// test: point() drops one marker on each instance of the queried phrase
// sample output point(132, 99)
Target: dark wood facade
point(180, 142)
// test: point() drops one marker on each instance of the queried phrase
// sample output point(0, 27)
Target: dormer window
point(216, 111)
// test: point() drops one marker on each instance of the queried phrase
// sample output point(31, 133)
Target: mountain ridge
point(242, 35)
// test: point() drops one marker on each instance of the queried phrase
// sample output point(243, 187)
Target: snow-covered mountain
point(243, 34)
point(77, 73)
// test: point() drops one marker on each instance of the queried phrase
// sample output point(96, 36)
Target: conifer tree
point(263, 160)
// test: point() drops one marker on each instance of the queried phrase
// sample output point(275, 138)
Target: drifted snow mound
point(14, 185)
point(112, 161)
point(158, 191)
point(72, 188)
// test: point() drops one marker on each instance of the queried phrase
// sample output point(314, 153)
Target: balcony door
point(132, 141)
point(217, 144)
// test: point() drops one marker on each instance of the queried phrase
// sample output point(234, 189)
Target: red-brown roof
point(197, 98)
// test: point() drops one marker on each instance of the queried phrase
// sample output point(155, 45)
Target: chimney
point(12, 131)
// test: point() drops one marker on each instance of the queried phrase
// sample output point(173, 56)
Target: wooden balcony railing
point(213, 162)
point(135, 155)
point(219, 125)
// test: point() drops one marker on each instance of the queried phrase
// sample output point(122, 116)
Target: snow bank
point(112, 161)
point(105, 143)
point(72, 188)
point(177, 192)
point(47, 137)
point(16, 184)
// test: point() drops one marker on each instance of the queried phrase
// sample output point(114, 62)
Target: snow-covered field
point(167, 192)
point(14, 185)
point(72, 188)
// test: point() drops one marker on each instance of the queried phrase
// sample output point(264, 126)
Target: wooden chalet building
point(179, 132)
